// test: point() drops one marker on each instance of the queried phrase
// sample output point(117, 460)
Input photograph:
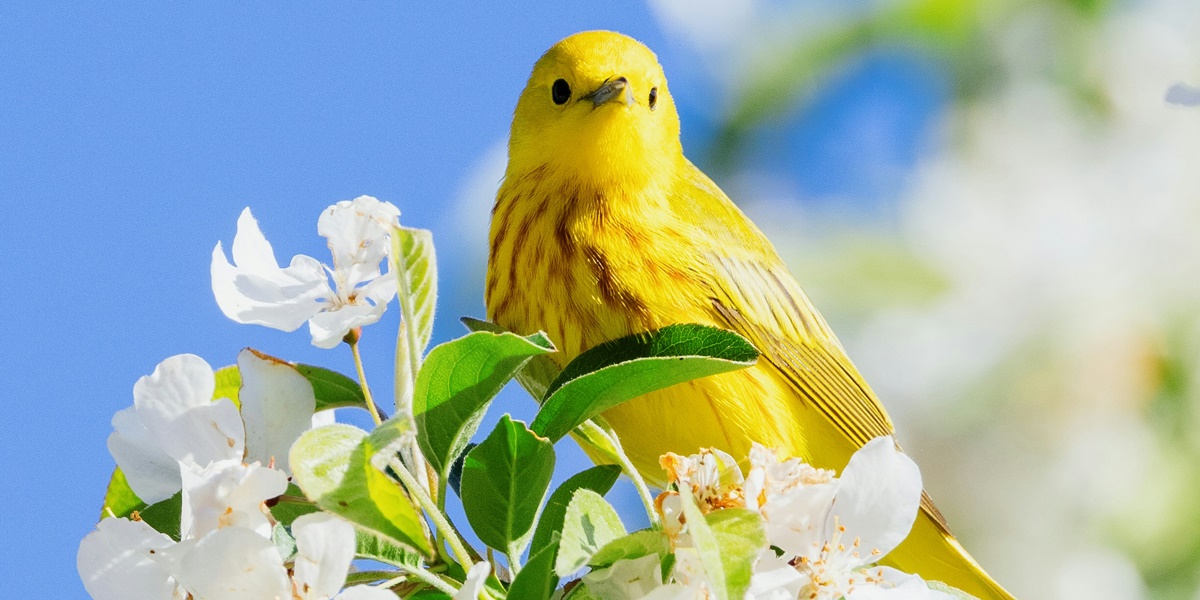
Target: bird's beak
point(613, 89)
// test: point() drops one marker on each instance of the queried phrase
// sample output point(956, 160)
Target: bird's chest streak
point(574, 267)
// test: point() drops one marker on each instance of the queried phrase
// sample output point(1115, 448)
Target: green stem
point(362, 380)
point(424, 576)
point(514, 558)
point(590, 428)
point(439, 519)
point(357, 577)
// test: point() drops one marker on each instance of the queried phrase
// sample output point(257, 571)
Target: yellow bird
point(602, 229)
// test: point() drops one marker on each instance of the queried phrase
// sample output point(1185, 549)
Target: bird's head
point(597, 108)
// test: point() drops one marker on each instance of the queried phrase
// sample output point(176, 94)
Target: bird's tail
point(935, 555)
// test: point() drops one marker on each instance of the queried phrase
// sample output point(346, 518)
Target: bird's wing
point(766, 306)
point(753, 294)
point(794, 339)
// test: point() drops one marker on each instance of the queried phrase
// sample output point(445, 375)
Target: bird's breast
point(586, 265)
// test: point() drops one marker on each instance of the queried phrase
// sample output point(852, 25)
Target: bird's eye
point(560, 91)
point(653, 97)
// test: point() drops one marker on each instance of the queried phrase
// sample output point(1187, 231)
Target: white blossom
point(626, 579)
point(324, 550)
point(278, 405)
point(232, 563)
point(116, 562)
point(226, 550)
point(255, 289)
point(173, 420)
point(476, 577)
point(831, 530)
point(228, 493)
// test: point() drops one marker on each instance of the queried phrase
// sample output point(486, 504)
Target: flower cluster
point(823, 533)
point(176, 439)
point(256, 290)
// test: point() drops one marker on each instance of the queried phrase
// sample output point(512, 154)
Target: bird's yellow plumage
point(602, 228)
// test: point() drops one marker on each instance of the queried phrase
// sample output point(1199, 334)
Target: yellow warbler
point(602, 229)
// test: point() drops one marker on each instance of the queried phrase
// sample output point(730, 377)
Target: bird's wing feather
point(810, 358)
point(796, 341)
point(753, 294)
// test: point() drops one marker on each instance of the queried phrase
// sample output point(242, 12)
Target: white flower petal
point(234, 563)
point(177, 385)
point(357, 231)
point(796, 518)
point(228, 493)
point(365, 592)
point(277, 406)
point(324, 417)
point(626, 579)
point(896, 586)
point(115, 562)
point(205, 434)
point(380, 291)
point(689, 568)
point(675, 591)
point(328, 328)
point(878, 498)
point(473, 586)
point(280, 298)
point(775, 579)
point(251, 250)
point(174, 405)
point(324, 550)
point(151, 473)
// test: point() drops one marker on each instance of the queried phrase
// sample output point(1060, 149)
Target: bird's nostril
point(621, 80)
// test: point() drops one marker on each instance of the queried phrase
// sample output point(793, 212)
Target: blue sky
point(132, 135)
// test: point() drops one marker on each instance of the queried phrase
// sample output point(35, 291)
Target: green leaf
point(164, 516)
point(599, 479)
point(504, 479)
point(367, 577)
point(456, 384)
point(374, 547)
point(119, 497)
point(635, 545)
point(626, 368)
point(589, 524)
point(536, 377)
point(430, 594)
point(946, 589)
point(536, 581)
point(707, 546)
point(537, 374)
point(284, 542)
point(740, 535)
point(229, 382)
point(414, 265)
point(291, 506)
point(333, 465)
point(332, 389)
point(728, 541)
point(581, 592)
